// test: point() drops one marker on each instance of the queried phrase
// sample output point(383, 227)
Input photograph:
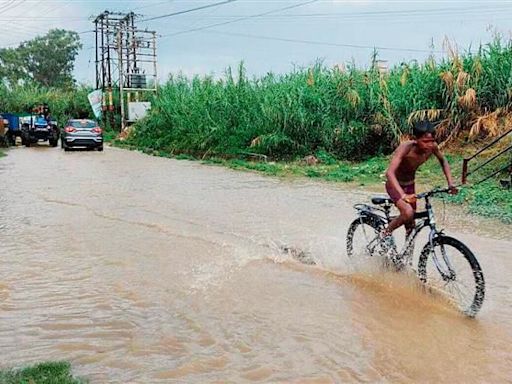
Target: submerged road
point(143, 269)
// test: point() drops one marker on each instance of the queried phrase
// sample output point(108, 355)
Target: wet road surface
point(143, 269)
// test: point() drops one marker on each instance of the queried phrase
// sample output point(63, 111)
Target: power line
point(49, 18)
point(201, 18)
point(313, 42)
point(189, 10)
point(17, 4)
point(241, 18)
point(411, 12)
point(153, 5)
point(338, 16)
point(8, 5)
point(404, 12)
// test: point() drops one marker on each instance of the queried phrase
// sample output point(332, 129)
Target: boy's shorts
point(395, 195)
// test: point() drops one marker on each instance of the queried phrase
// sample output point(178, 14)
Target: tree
point(45, 60)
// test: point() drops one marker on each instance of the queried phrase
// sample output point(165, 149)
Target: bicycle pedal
point(398, 264)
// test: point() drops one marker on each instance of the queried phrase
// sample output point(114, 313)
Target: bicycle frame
point(434, 264)
point(427, 219)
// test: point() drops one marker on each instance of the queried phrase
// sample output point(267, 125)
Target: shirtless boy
point(402, 170)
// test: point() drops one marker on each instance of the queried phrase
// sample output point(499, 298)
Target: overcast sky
point(267, 37)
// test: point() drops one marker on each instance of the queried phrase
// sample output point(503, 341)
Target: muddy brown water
point(144, 270)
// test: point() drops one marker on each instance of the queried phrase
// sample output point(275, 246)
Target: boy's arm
point(397, 158)
point(446, 169)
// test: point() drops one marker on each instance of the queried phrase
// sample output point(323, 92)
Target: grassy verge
point(361, 173)
point(486, 199)
point(109, 135)
point(44, 373)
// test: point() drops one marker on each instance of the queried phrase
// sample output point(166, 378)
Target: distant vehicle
point(82, 133)
point(39, 126)
point(13, 125)
point(4, 132)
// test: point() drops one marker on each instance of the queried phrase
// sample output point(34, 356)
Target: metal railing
point(465, 162)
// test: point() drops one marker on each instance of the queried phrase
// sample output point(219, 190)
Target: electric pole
point(130, 53)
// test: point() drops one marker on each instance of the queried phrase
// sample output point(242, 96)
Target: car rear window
point(83, 124)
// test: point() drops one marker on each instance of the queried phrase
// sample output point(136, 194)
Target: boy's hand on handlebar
point(410, 199)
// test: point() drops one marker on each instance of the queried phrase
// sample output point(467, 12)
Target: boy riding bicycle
point(407, 158)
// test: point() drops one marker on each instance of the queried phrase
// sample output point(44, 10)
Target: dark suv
point(82, 133)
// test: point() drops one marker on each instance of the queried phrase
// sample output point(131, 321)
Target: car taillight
point(97, 130)
point(69, 129)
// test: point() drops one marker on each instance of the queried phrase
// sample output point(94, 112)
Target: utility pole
point(121, 79)
point(132, 51)
point(140, 74)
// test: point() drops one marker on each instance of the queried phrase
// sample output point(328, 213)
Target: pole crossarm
point(126, 60)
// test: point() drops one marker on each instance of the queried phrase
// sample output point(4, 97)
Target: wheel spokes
point(449, 272)
point(364, 240)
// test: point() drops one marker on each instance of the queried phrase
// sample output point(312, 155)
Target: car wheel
point(100, 148)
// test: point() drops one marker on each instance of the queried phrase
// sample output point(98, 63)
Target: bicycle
point(437, 260)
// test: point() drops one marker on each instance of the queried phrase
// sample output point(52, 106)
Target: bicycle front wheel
point(452, 269)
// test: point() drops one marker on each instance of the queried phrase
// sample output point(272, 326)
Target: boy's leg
point(407, 210)
point(409, 225)
point(406, 217)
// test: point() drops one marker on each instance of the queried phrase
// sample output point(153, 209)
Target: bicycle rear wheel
point(363, 237)
point(452, 269)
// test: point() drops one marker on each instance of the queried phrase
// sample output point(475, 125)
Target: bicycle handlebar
point(434, 191)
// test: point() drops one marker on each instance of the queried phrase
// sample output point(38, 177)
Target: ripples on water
point(141, 269)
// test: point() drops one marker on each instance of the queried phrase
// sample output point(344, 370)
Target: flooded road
point(145, 270)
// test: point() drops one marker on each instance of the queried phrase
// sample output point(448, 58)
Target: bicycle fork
point(447, 271)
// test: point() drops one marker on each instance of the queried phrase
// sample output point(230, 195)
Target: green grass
point(349, 113)
point(2, 153)
point(109, 135)
point(366, 172)
point(64, 103)
point(350, 119)
point(486, 199)
point(340, 171)
point(44, 373)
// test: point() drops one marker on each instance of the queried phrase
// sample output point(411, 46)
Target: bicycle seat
point(379, 200)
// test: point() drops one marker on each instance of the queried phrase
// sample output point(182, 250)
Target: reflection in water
point(142, 269)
